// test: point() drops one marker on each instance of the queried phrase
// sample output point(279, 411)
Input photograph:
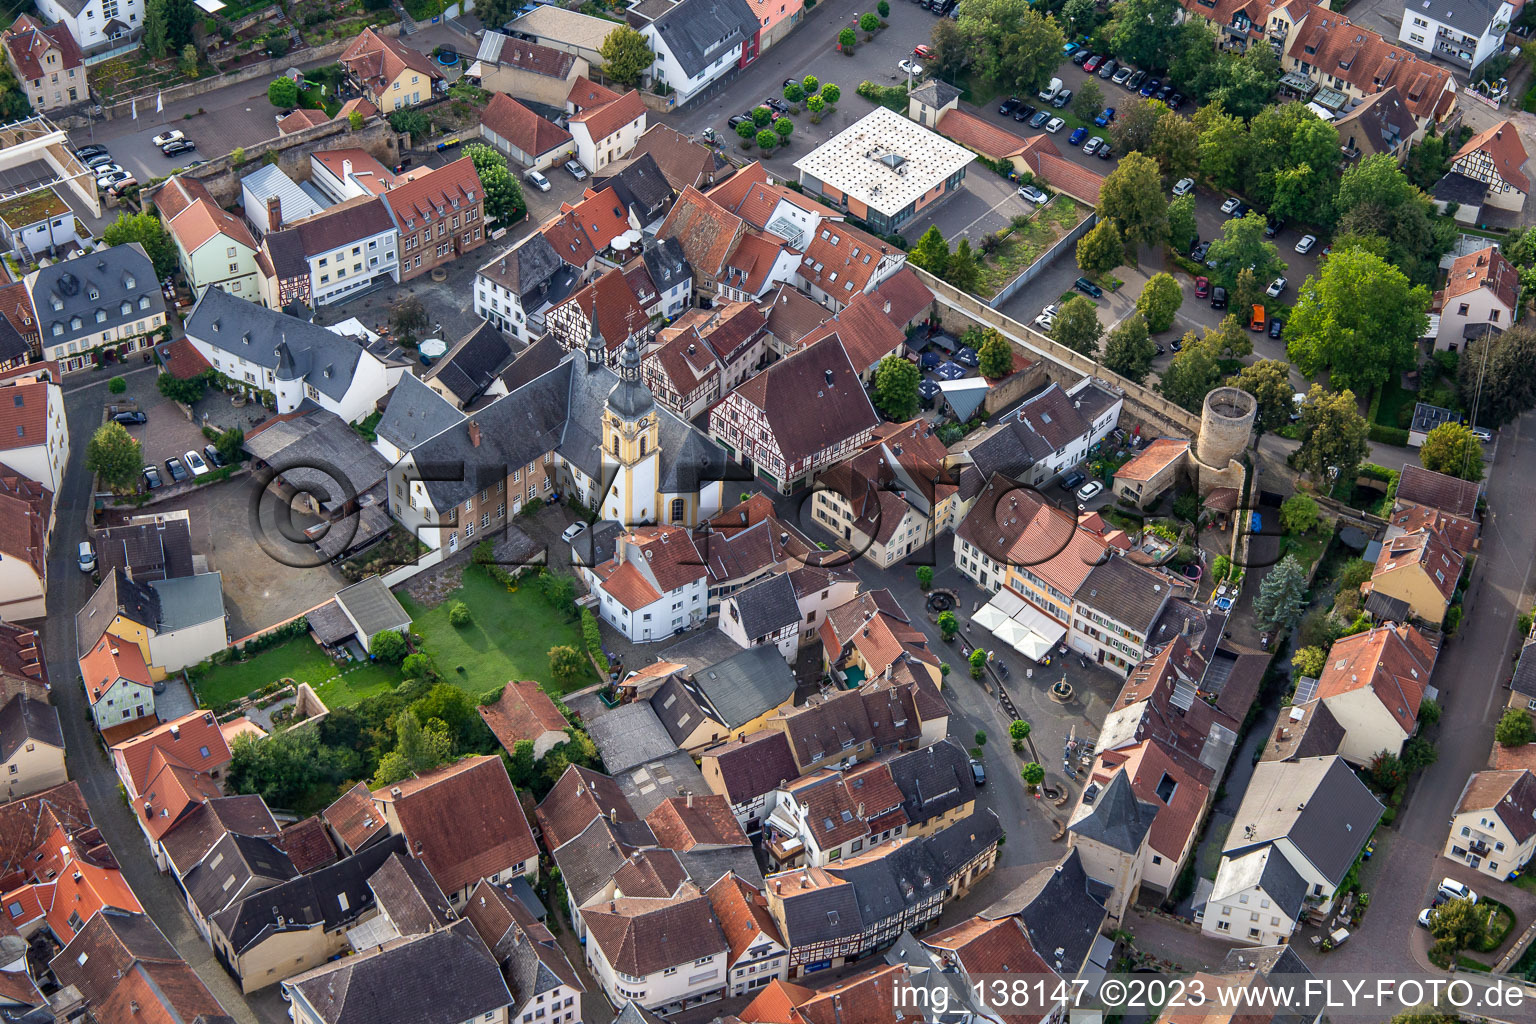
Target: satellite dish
point(433, 347)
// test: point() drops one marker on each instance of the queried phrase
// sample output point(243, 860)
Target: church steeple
point(630, 422)
point(597, 347)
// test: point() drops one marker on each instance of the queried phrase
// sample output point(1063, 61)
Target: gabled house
point(440, 216)
point(757, 954)
point(47, 63)
point(867, 333)
point(1494, 826)
point(31, 746)
point(517, 288)
point(833, 814)
point(545, 987)
point(660, 952)
point(1487, 171)
point(125, 969)
point(235, 866)
point(533, 141)
point(606, 309)
point(1332, 52)
point(193, 742)
point(1109, 829)
point(1179, 799)
point(1478, 300)
point(1060, 914)
point(117, 683)
point(525, 712)
point(471, 371)
point(705, 353)
point(683, 161)
point(842, 262)
point(464, 822)
point(105, 299)
point(868, 637)
point(17, 312)
point(347, 248)
point(34, 438)
point(97, 25)
point(746, 771)
point(1373, 685)
point(764, 614)
point(731, 699)
point(1049, 433)
point(518, 67)
point(696, 42)
point(1465, 35)
point(1420, 569)
point(214, 247)
point(642, 188)
point(605, 132)
point(289, 359)
point(1379, 124)
point(770, 206)
point(343, 174)
point(707, 232)
point(26, 508)
point(796, 417)
point(981, 949)
point(1299, 830)
point(173, 622)
point(756, 264)
point(387, 72)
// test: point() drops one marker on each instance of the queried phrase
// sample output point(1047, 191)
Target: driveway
point(984, 204)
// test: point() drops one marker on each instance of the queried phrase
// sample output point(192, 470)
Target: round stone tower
point(1226, 423)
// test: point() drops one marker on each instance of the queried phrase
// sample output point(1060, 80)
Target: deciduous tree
point(626, 56)
point(388, 646)
point(1191, 375)
point(1133, 129)
point(1128, 350)
point(1182, 228)
point(566, 663)
point(1269, 382)
point(1514, 729)
point(1175, 145)
point(1146, 32)
point(995, 355)
point(1361, 321)
point(1497, 375)
point(1334, 436)
point(1242, 244)
point(1223, 144)
point(1298, 514)
point(1132, 197)
point(895, 392)
point(282, 92)
point(951, 53)
point(1452, 449)
point(1012, 42)
point(1159, 302)
point(1077, 326)
point(1101, 249)
point(1088, 100)
point(1309, 661)
point(114, 456)
point(146, 229)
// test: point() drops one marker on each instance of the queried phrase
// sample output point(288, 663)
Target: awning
point(211, 6)
point(1020, 625)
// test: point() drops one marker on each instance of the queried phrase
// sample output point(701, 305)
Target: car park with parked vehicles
point(1025, 113)
point(174, 135)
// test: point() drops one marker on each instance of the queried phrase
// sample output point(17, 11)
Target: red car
point(1202, 287)
point(1093, 64)
point(922, 51)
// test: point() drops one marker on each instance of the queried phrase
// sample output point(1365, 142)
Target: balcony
point(1478, 848)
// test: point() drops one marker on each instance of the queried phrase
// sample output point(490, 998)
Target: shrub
point(925, 576)
point(592, 637)
point(117, 385)
point(1388, 435)
point(978, 663)
point(458, 614)
point(1514, 729)
point(948, 625)
point(388, 646)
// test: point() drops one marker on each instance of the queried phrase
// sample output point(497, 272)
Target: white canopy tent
point(1020, 625)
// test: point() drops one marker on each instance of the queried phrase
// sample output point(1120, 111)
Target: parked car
point(573, 531)
point(1105, 117)
point(1092, 145)
point(1038, 121)
point(178, 472)
point(1218, 297)
point(1454, 890)
point(96, 160)
point(1243, 209)
point(736, 120)
point(1150, 86)
point(1104, 152)
point(1134, 82)
point(1163, 92)
point(84, 153)
point(909, 67)
point(575, 170)
point(174, 135)
point(1082, 57)
point(195, 463)
point(1175, 100)
point(109, 168)
point(1230, 206)
point(118, 183)
point(922, 51)
point(212, 457)
point(178, 147)
point(1483, 434)
point(1277, 287)
point(1306, 243)
point(1034, 195)
point(1276, 328)
point(130, 418)
point(1184, 186)
point(537, 180)
point(779, 106)
point(1258, 320)
point(796, 82)
point(1077, 136)
point(1073, 480)
point(151, 478)
point(1062, 99)
point(1426, 916)
point(1273, 226)
point(1089, 491)
point(1202, 287)
point(1088, 288)
point(1054, 125)
point(1123, 75)
point(1178, 344)
point(1093, 64)
point(1107, 69)
point(978, 773)
point(86, 558)
point(1198, 252)
point(1011, 104)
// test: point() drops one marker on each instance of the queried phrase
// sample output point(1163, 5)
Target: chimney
point(829, 376)
point(474, 434)
point(690, 800)
point(274, 213)
point(175, 732)
point(346, 169)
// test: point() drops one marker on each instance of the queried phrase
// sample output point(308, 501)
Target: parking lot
point(984, 203)
point(168, 433)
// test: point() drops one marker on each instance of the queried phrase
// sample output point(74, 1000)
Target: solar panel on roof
point(1306, 689)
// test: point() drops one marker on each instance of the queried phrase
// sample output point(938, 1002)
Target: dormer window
point(56, 303)
point(75, 323)
point(101, 316)
point(94, 294)
point(126, 308)
point(128, 282)
point(143, 301)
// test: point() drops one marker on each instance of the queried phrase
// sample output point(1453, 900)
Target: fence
point(1048, 257)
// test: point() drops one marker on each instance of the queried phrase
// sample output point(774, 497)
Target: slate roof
point(415, 412)
point(333, 896)
point(746, 685)
point(444, 977)
point(209, 821)
point(531, 959)
point(630, 735)
point(1267, 868)
point(292, 348)
point(767, 607)
point(147, 551)
point(189, 600)
point(933, 780)
point(589, 860)
point(1115, 816)
point(699, 32)
point(117, 274)
point(1524, 680)
point(642, 188)
point(473, 363)
point(235, 866)
point(1317, 802)
point(24, 720)
point(1126, 593)
point(1057, 910)
point(754, 766)
point(825, 911)
point(525, 269)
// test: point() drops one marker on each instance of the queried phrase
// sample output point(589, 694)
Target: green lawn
point(1394, 399)
point(509, 637)
point(1307, 547)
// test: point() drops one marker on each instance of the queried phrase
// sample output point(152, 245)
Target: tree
point(1101, 249)
point(1334, 436)
point(1088, 100)
point(1230, 341)
point(186, 391)
point(995, 355)
point(1080, 16)
point(1191, 375)
point(626, 56)
point(1452, 449)
point(831, 93)
point(1018, 731)
point(1418, 754)
point(1132, 129)
point(286, 767)
point(406, 317)
point(846, 38)
point(962, 270)
point(283, 92)
point(1247, 292)
point(1429, 712)
point(1246, 84)
point(1223, 144)
point(1298, 514)
point(558, 591)
point(1175, 145)
point(948, 625)
point(13, 102)
point(1159, 302)
point(1146, 32)
point(1375, 199)
point(784, 128)
point(1269, 382)
point(1182, 228)
point(1514, 729)
point(410, 122)
point(355, 120)
point(1361, 321)
point(1281, 596)
point(156, 31)
point(978, 663)
point(1428, 161)
point(1497, 375)
point(793, 93)
point(1292, 161)
point(951, 54)
point(117, 385)
point(815, 105)
point(188, 63)
point(811, 84)
point(895, 393)
point(1128, 350)
point(566, 663)
point(869, 21)
point(146, 229)
point(418, 748)
point(388, 646)
point(503, 194)
point(1011, 42)
point(114, 456)
point(746, 129)
point(1457, 925)
point(1132, 197)
point(766, 140)
point(981, 738)
point(419, 666)
point(931, 252)
point(1033, 775)
point(883, 9)
point(1309, 661)
point(925, 576)
point(1077, 326)
point(1242, 245)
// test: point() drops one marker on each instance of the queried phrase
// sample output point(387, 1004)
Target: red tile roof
point(462, 820)
point(706, 231)
point(742, 911)
point(1338, 48)
point(1427, 551)
point(1486, 268)
point(359, 104)
point(683, 822)
point(1394, 662)
point(1501, 143)
point(354, 818)
point(608, 118)
point(449, 187)
point(1162, 781)
point(535, 57)
point(842, 260)
point(524, 712)
point(867, 334)
point(753, 260)
point(619, 313)
point(24, 415)
point(997, 948)
point(903, 298)
point(307, 844)
point(29, 40)
point(84, 888)
point(110, 660)
point(580, 797)
point(521, 127)
point(1459, 533)
point(26, 511)
point(1447, 493)
point(981, 136)
point(301, 119)
point(587, 93)
point(170, 793)
point(602, 216)
point(377, 60)
point(192, 741)
point(182, 360)
point(1153, 459)
point(804, 412)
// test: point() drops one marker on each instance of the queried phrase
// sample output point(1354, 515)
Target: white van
point(1049, 92)
point(537, 180)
